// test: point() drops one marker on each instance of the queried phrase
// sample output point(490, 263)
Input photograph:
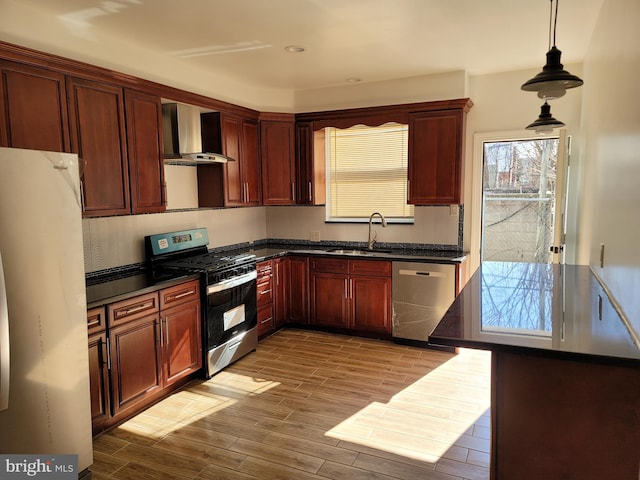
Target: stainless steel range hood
point(182, 135)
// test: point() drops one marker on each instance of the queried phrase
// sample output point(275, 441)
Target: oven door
point(231, 317)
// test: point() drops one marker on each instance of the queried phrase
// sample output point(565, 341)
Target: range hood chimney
point(182, 135)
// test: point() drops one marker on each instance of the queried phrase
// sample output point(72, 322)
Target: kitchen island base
point(561, 418)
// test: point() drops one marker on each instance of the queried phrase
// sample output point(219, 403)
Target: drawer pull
point(185, 294)
point(144, 306)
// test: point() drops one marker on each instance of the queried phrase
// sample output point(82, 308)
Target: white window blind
point(367, 170)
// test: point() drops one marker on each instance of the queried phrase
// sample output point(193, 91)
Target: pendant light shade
point(545, 122)
point(553, 81)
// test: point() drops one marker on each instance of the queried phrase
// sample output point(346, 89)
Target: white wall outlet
point(314, 236)
point(453, 210)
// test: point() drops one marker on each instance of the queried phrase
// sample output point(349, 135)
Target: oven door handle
point(232, 282)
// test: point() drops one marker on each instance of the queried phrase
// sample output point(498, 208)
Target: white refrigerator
point(44, 369)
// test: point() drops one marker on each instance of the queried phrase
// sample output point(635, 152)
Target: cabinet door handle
point(82, 205)
point(408, 189)
point(166, 328)
point(164, 190)
point(346, 291)
point(293, 191)
point(351, 289)
point(108, 344)
point(310, 194)
point(277, 274)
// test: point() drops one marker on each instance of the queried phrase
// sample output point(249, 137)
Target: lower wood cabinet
point(181, 337)
point(264, 292)
point(134, 351)
point(271, 287)
point(279, 286)
point(99, 377)
point(351, 294)
point(147, 344)
point(370, 304)
point(297, 289)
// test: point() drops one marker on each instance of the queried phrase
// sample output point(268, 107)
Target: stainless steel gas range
point(228, 292)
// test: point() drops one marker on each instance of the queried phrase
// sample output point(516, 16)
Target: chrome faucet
point(372, 239)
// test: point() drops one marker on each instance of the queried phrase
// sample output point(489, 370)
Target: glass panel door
point(523, 200)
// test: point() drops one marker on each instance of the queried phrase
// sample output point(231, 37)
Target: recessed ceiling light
point(353, 80)
point(294, 49)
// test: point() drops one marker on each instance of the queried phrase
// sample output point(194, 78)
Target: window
point(367, 172)
point(519, 200)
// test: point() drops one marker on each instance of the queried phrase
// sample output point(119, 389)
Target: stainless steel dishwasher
point(421, 294)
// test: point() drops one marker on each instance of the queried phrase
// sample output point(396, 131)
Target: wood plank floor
point(315, 406)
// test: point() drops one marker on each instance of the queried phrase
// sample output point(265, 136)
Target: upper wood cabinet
point(435, 172)
point(251, 171)
point(242, 177)
point(310, 167)
point(117, 134)
point(33, 110)
point(277, 144)
point(96, 114)
point(143, 115)
point(436, 145)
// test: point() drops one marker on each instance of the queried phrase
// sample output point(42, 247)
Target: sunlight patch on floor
point(199, 401)
point(425, 420)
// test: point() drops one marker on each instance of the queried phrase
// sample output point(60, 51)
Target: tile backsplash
point(112, 242)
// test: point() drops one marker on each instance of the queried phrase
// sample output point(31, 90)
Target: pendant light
point(554, 80)
point(545, 122)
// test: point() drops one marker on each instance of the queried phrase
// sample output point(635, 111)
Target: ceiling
point(368, 40)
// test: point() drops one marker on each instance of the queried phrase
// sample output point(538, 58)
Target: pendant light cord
point(550, 22)
point(553, 21)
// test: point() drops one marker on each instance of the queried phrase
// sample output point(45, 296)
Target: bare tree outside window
point(519, 191)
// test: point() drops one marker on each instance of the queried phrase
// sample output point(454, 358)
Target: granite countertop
point(526, 306)
point(122, 285)
point(110, 289)
point(386, 252)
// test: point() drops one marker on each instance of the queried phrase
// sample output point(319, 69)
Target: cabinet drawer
point(370, 267)
point(96, 320)
point(264, 292)
point(330, 265)
point(132, 308)
point(185, 292)
point(263, 268)
point(265, 319)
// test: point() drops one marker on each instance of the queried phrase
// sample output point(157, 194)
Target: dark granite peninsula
point(565, 380)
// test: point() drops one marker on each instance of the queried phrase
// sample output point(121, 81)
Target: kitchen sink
point(348, 251)
point(343, 251)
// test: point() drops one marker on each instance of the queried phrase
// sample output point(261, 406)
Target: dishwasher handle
point(421, 273)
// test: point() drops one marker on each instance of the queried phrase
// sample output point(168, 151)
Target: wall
point(116, 241)
point(611, 145)
point(404, 90)
point(433, 225)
